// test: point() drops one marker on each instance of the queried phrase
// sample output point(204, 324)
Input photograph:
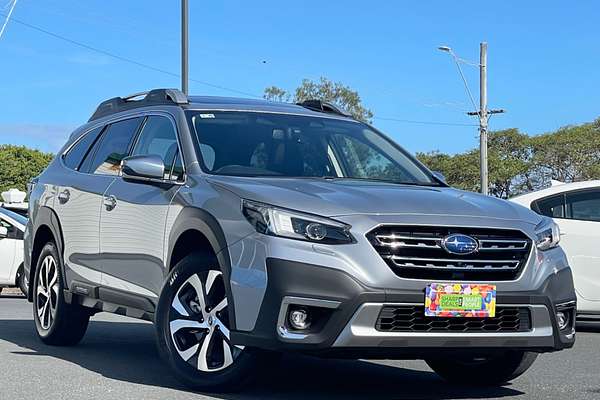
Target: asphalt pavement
point(118, 360)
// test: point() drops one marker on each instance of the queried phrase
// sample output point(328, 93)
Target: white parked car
point(576, 209)
point(12, 226)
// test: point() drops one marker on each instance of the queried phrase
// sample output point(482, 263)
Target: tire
point(486, 371)
point(21, 281)
point(57, 323)
point(192, 322)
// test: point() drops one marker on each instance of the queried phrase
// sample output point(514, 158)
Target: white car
point(12, 226)
point(576, 209)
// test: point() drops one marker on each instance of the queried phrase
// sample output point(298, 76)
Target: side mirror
point(143, 168)
point(438, 175)
point(3, 232)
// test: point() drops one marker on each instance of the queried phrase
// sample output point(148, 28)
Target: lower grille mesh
point(413, 319)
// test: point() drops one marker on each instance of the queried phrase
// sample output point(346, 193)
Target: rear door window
point(113, 146)
point(553, 206)
point(75, 155)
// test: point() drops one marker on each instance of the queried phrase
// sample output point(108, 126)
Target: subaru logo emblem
point(460, 244)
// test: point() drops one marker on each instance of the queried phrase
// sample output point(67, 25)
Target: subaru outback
point(245, 229)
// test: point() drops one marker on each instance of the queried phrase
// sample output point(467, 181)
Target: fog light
point(562, 319)
point(299, 319)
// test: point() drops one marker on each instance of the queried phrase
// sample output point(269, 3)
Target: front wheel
point(483, 371)
point(192, 320)
point(57, 323)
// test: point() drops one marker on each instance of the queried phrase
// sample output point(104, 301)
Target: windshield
point(282, 145)
point(16, 217)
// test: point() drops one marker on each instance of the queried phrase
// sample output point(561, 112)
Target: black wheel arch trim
point(45, 217)
point(196, 219)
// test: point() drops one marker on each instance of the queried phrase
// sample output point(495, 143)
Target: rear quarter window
point(584, 206)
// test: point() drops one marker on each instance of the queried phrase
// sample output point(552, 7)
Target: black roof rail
point(324, 107)
point(152, 97)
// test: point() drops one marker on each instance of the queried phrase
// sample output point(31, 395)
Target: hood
point(332, 198)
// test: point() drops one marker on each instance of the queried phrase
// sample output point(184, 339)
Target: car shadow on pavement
point(589, 327)
point(126, 352)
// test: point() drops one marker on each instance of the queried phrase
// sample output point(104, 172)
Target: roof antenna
point(14, 3)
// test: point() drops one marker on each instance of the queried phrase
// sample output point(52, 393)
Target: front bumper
point(360, 332)
point(348, 326)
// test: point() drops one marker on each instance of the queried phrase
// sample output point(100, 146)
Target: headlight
point(547, 234)
point(276, 221)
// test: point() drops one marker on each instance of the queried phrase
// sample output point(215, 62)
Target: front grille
point(413, 319)
point(416, 252)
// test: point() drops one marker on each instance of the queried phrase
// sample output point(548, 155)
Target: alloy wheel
point(199, 323)
point(47, 292)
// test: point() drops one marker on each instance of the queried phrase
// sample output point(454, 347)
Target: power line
point(175, 75)
point(125, 59)
point(464, 79)
point(411, 121)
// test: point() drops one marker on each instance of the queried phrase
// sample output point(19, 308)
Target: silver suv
point(244, 229)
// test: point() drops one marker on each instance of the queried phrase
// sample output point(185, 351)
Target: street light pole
point(184, 46)
point(483, 112)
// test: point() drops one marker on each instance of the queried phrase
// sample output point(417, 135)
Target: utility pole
point(483, 119)
point(184, 46)
point(483, 115)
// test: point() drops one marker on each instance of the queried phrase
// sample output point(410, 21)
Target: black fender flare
point(45, 217)
point(199, 220)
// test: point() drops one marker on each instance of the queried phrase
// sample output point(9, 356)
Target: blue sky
point(543, 60)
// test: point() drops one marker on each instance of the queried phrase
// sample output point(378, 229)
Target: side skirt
point(111, 300)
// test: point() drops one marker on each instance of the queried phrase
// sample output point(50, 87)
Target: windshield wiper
point(333, 178)
point(348, 178)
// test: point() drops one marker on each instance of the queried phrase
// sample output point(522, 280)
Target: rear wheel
point(57, 323)
point(484, 371)
point(193, 329)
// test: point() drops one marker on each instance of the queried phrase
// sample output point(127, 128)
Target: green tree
point(509, 159)
point(572, 153)
point(336, 93)
point(520, 163)
point(18, 164)
point(461, 170)
point(509, 163)
point(274, 93)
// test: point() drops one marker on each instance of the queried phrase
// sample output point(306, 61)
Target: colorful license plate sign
point(460, 300)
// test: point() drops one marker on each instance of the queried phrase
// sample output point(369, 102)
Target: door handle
point(64, 196)
point(110, 202)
